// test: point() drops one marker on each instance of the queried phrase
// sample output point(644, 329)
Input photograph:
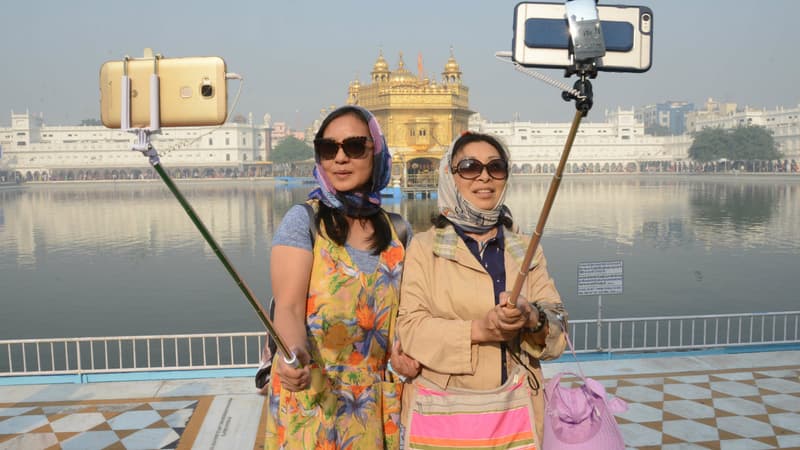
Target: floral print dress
point(351, 403)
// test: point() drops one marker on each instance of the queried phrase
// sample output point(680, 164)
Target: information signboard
point(600, 278)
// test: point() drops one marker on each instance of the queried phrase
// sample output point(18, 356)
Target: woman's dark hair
point(339, 112)
point(336, 226)
point(469, 137)
point(440, 221)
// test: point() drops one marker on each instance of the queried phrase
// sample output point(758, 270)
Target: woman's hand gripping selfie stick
point(144, 145)
point(583, 105)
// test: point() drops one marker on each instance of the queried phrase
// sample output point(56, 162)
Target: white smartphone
point(542, 38)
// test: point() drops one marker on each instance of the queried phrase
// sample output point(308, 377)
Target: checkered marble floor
point(107, 424)
point(732, 409)
point(692, 401)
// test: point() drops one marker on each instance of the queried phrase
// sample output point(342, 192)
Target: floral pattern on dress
point(349, 318)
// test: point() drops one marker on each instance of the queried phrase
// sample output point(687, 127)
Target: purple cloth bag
point(581, 417)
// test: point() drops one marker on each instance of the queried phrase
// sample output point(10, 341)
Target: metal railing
point(24, 357)
point(675, 333)
point(130, 353)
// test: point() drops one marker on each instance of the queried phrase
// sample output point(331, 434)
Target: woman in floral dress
point(336, 300)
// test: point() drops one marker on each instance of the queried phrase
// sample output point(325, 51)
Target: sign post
point(598, 278)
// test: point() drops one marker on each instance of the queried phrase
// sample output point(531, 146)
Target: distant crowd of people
point(776, 166)
point(427, 178)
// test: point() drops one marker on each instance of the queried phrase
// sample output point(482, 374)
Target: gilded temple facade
point(419, 116)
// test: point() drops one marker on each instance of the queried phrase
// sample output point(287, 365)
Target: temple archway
point(422, 172)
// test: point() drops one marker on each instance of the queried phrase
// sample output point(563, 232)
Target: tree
point(739, 144)
point(754, 142)
point(710, 144)
point(291, 149)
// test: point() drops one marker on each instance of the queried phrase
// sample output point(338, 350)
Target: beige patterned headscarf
point(453, 205)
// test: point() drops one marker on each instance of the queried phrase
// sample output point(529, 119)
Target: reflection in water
point(106, 259)
point(739, 206)
point(748, 214)
point(667, 211)
point(95, 219)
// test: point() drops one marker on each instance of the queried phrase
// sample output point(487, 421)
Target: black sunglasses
point(471, 169)
point(354, 147)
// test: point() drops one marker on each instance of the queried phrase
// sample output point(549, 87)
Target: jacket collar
point(447, 244)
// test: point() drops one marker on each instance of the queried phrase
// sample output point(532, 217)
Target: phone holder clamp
point(143, 143)
point(585, 96)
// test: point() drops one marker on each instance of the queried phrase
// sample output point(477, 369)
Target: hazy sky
point(299, 56)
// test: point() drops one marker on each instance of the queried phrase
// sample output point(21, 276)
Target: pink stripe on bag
point(495, 419)
point(471, 426)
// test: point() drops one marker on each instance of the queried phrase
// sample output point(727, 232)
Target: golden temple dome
point(452, 71)
point(452, 66)
point(380, 65)
point(402, 75)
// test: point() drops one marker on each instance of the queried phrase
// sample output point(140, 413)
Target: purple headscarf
point(353, 203)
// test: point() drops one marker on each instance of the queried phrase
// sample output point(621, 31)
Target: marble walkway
point(728, 401)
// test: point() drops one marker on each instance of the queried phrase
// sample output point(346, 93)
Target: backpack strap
point(312, 222)
point(400, 227)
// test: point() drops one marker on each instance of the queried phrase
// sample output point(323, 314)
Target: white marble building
point(32, 150)
point(35, 151)
point(616, 145)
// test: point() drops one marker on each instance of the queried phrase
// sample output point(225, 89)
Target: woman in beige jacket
point(454, 314)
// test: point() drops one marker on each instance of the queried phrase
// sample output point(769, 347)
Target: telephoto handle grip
point(292, 362)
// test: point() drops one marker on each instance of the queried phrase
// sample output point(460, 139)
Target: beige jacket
point(444, 288)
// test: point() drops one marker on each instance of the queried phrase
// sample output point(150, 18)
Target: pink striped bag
point(496, 419)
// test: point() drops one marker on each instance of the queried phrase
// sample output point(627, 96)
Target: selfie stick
point(551, 193)
point(582, 94)
point(144, 145)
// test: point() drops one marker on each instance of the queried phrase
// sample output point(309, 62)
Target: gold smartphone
point(193, 91)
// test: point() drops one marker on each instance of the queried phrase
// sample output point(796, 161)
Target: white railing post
point(599, 323)
point(78, 356)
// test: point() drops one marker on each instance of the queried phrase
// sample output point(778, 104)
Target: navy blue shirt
point(492, 258)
